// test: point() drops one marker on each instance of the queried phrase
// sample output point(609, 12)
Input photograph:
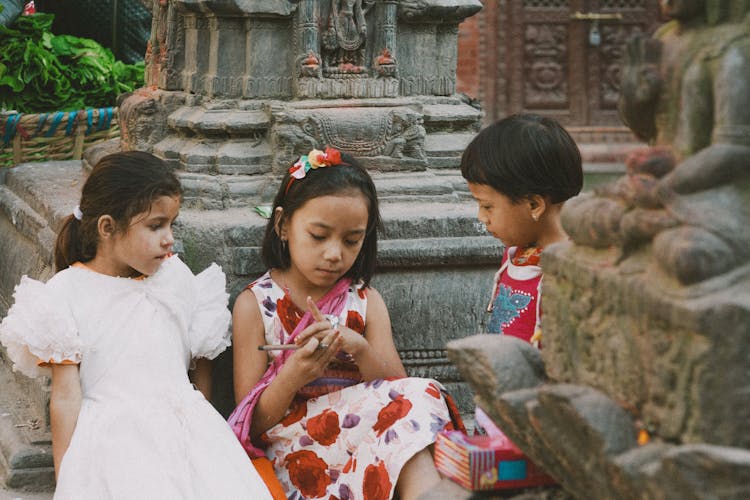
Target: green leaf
point(264, 211)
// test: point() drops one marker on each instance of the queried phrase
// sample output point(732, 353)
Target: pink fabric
point(241, 418)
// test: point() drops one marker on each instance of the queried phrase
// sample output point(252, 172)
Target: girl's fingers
point(316, 314)
point(314, 330)
point(310, 346)
point(330, 342)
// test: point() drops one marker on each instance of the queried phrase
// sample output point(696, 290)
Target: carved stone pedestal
point(237, 90)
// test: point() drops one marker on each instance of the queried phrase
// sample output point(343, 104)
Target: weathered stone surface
point(587, 441)
point(652, 346)
point(700, 472)
point(497, 363)
point(583, 430)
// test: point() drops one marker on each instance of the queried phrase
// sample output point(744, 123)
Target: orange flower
point(376, 484)
point(391, 413)
point(324, 428)
point(308, 473)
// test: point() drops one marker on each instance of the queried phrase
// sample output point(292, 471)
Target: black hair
point(523, 155)
point(121, 185)
point(348, 176)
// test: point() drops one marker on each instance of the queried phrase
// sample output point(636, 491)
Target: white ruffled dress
point(143, 431)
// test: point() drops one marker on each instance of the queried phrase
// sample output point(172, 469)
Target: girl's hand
point(351, 342)
point(311, 359)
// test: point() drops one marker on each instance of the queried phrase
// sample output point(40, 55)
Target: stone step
point(224, 157)
point(51, 189)
point(451, 117)
point(219, 122)
point(26, 221)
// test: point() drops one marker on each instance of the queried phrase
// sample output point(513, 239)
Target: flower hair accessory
point(314, 159)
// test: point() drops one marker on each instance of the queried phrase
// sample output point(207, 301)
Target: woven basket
point(60, 135)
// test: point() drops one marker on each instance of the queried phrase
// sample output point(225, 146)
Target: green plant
point(41, 71)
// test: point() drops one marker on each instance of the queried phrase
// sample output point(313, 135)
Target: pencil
point(285, 347)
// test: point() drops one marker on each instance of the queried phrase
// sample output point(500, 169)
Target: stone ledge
point(25, 445)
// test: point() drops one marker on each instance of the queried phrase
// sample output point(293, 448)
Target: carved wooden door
point(564, 56)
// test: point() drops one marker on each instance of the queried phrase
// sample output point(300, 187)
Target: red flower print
point(391, 413)
point(433, 391)
point(297, 412)
point(288, 313)
point(308, 473)
point(376, 485)
point(362, 292)
point(324, 428)
point(351, 465)
point(355, 322)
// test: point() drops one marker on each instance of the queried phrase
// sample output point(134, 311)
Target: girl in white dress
point(118, 328)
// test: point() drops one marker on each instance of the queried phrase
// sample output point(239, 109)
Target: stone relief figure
point(686, 91)
point(345, 38)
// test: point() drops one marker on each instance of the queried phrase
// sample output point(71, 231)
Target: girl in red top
point(521, 170)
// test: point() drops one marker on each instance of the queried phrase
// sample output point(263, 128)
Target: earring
point(283, 245)
point(535, 217)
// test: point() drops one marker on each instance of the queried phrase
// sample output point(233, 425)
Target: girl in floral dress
point(321, 389)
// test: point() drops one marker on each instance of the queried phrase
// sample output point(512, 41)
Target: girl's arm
point(378, 357)
point(249, 364)
point(304, 366)
point(64, 406)
point(201, 376)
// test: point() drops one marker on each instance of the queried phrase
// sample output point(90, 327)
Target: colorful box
point(486, 462)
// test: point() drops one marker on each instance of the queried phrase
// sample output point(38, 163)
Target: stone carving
point(143, 118)
point(391, 132)
point(421, 10)
point(345, 38)
point(688, 194)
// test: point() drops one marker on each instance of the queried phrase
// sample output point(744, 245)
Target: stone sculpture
point(642, 390)
point(685, 91)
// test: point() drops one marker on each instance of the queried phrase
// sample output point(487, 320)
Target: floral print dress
point(343, 438)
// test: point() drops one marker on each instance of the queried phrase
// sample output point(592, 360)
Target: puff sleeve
point(209, 329)
point(39, 327)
